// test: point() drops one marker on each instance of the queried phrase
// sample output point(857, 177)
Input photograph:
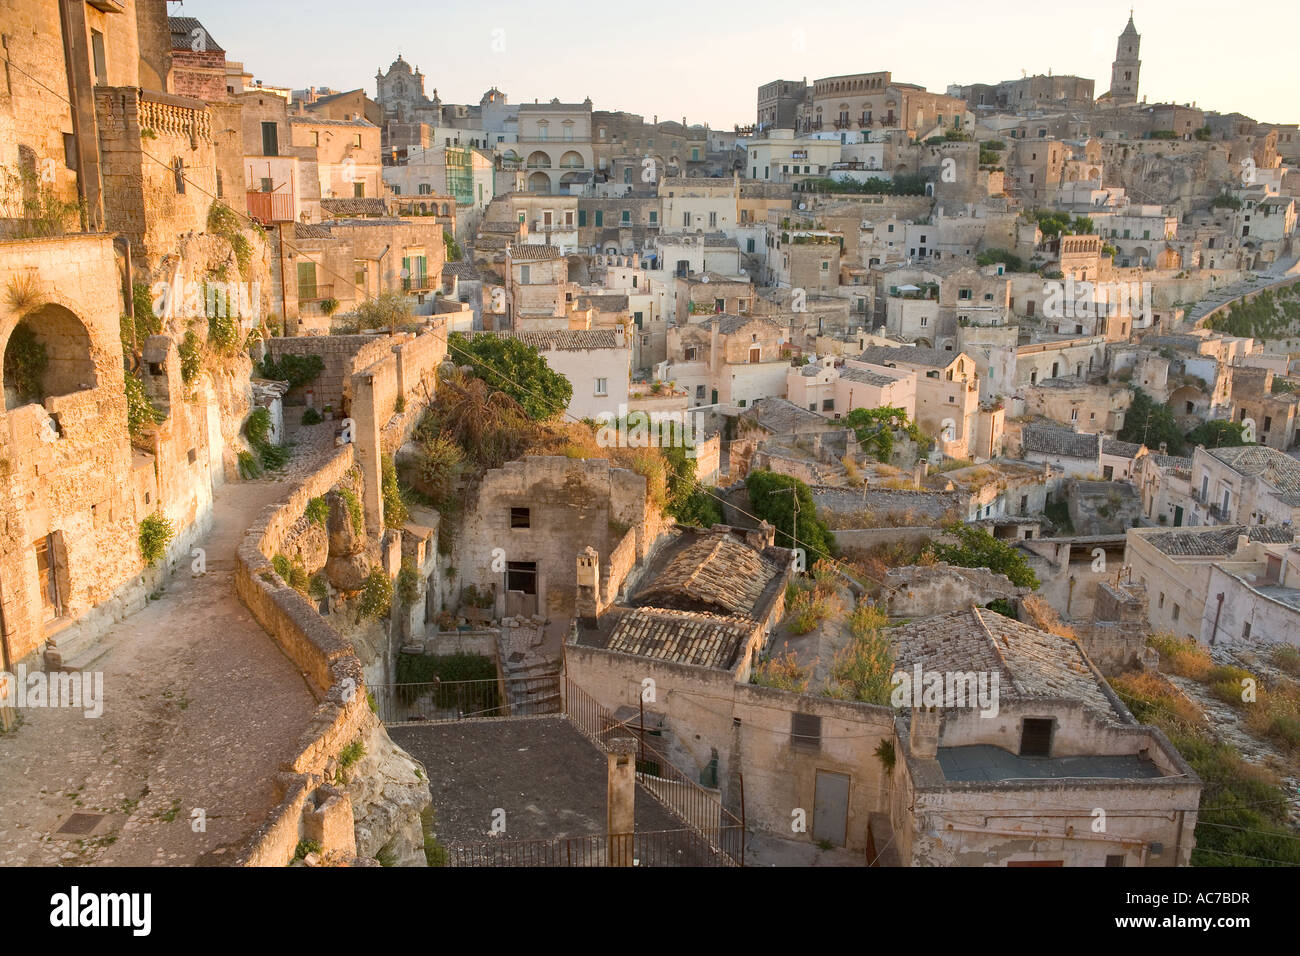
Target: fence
point(659, 848)
point(698, 808)
point(442, 701)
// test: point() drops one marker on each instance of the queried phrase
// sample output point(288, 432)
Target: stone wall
point(921, 591)
point(747, 729)
point(334, 674)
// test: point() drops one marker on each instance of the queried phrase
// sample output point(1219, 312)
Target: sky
point(705, 61)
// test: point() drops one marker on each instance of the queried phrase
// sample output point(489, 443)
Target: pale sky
point(706, 60)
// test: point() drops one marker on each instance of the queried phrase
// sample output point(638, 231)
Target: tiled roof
point(685, 637)
point(718, 572)
point(866, 376)
point(780, 416)
point(567, 340)
point(1029, 663)
point(306, 230)
point(1049, 439)
point(323, 121)
point(729, 324)
point(183, 35)
point(355, 206)
point(1280, 471)
point(531, 253)
point(1120, 449)
point(1176, 462)
point(466, 270)
point(1218, 541)
point(912, 355)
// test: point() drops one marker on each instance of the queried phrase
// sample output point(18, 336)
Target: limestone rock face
point(349, 561)
point(388, 798)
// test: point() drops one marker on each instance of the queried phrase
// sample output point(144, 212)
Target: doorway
point(831, 808)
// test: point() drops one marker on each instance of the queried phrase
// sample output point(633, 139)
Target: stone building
point(973, 784)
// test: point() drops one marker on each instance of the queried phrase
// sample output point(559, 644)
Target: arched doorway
point(47, 353)
point(539, 183)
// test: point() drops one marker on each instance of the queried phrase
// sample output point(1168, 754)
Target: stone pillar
point(620, 800)
point(924, 733)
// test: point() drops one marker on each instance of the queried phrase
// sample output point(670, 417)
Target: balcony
point(108, 6)
point(423, 283)
point(269, 208)
point(315, 295)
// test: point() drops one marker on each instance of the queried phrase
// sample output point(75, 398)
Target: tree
point(1217, 434)
point(1149, 423)
point(976, 548)
point(773, 502)
point(510, 366)
point(387, 310)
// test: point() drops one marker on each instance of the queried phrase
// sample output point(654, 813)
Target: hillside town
point(897, 478)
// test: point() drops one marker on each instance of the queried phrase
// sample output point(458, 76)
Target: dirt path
point(200, 708)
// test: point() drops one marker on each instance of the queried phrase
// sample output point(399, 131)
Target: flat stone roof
point(984, 763)
point(478, 766)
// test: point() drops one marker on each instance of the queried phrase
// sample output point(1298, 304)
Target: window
point(358, 190)
point(520, 518)
point(1036, 737)
point(654, 217)
point(600, 217)
point(828, 404)
point(805, 731)
point(270, 140)
point(963, 293)
point(1245, 631)
point(1177, 610)
point(1114, 859)
point(356, 141)
point(1161, 603)
point(97, 52)
point(51, 564)
point(1074, 415)
point(525, 275)
point(693, 354)
point(626, 218)
point(713, 220)
point(306, 280)
point(178, 174)
point(602, 386)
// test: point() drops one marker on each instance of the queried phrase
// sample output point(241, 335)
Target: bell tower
point(1124, 71)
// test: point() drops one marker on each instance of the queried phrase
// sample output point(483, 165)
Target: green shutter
point(582, 217)
point(600, 218)
point(306, 280)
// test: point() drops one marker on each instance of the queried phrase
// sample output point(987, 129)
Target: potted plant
point(477, 606)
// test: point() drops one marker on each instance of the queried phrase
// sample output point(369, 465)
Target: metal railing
point(654, 849)
point(267, 208)
point(698, 808)
point(446, 701)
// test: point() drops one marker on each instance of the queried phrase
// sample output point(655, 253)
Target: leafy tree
point(976, 548)
point(387, 310)
point(1217, 434)
point(875, 427)
point(510, 366)
point(773, 503)
point(993, 256)
point(1149, 423)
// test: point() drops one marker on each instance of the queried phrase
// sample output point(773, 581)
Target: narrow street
point(200, 708)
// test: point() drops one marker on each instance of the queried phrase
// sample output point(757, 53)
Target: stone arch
point(446, 209)
point(568, 180)
point(571, 160)
point(47, 352)
point(539, 159)
point(539, 182)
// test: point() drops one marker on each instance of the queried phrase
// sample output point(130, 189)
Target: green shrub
point(395, 510)
point(25, 362)
point(1287, 659)
point(408, 583)
point(304, 847)
point(353, 504)
point(317, 511)
point(312, 417)
point(292, 573)
point(155, 532)
point(140, 411)
point(258, 426)
point(191, 351)
point(297, 370)
point(318, 586)
point(376, 595)
point(249, 465)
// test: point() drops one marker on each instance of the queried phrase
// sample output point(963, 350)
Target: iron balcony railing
point(444, 701)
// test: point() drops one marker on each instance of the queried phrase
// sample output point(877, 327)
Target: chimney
point(923, 738)
point(620, 800)
point(587, 608)
point(764, 537)
point(1243, 544)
